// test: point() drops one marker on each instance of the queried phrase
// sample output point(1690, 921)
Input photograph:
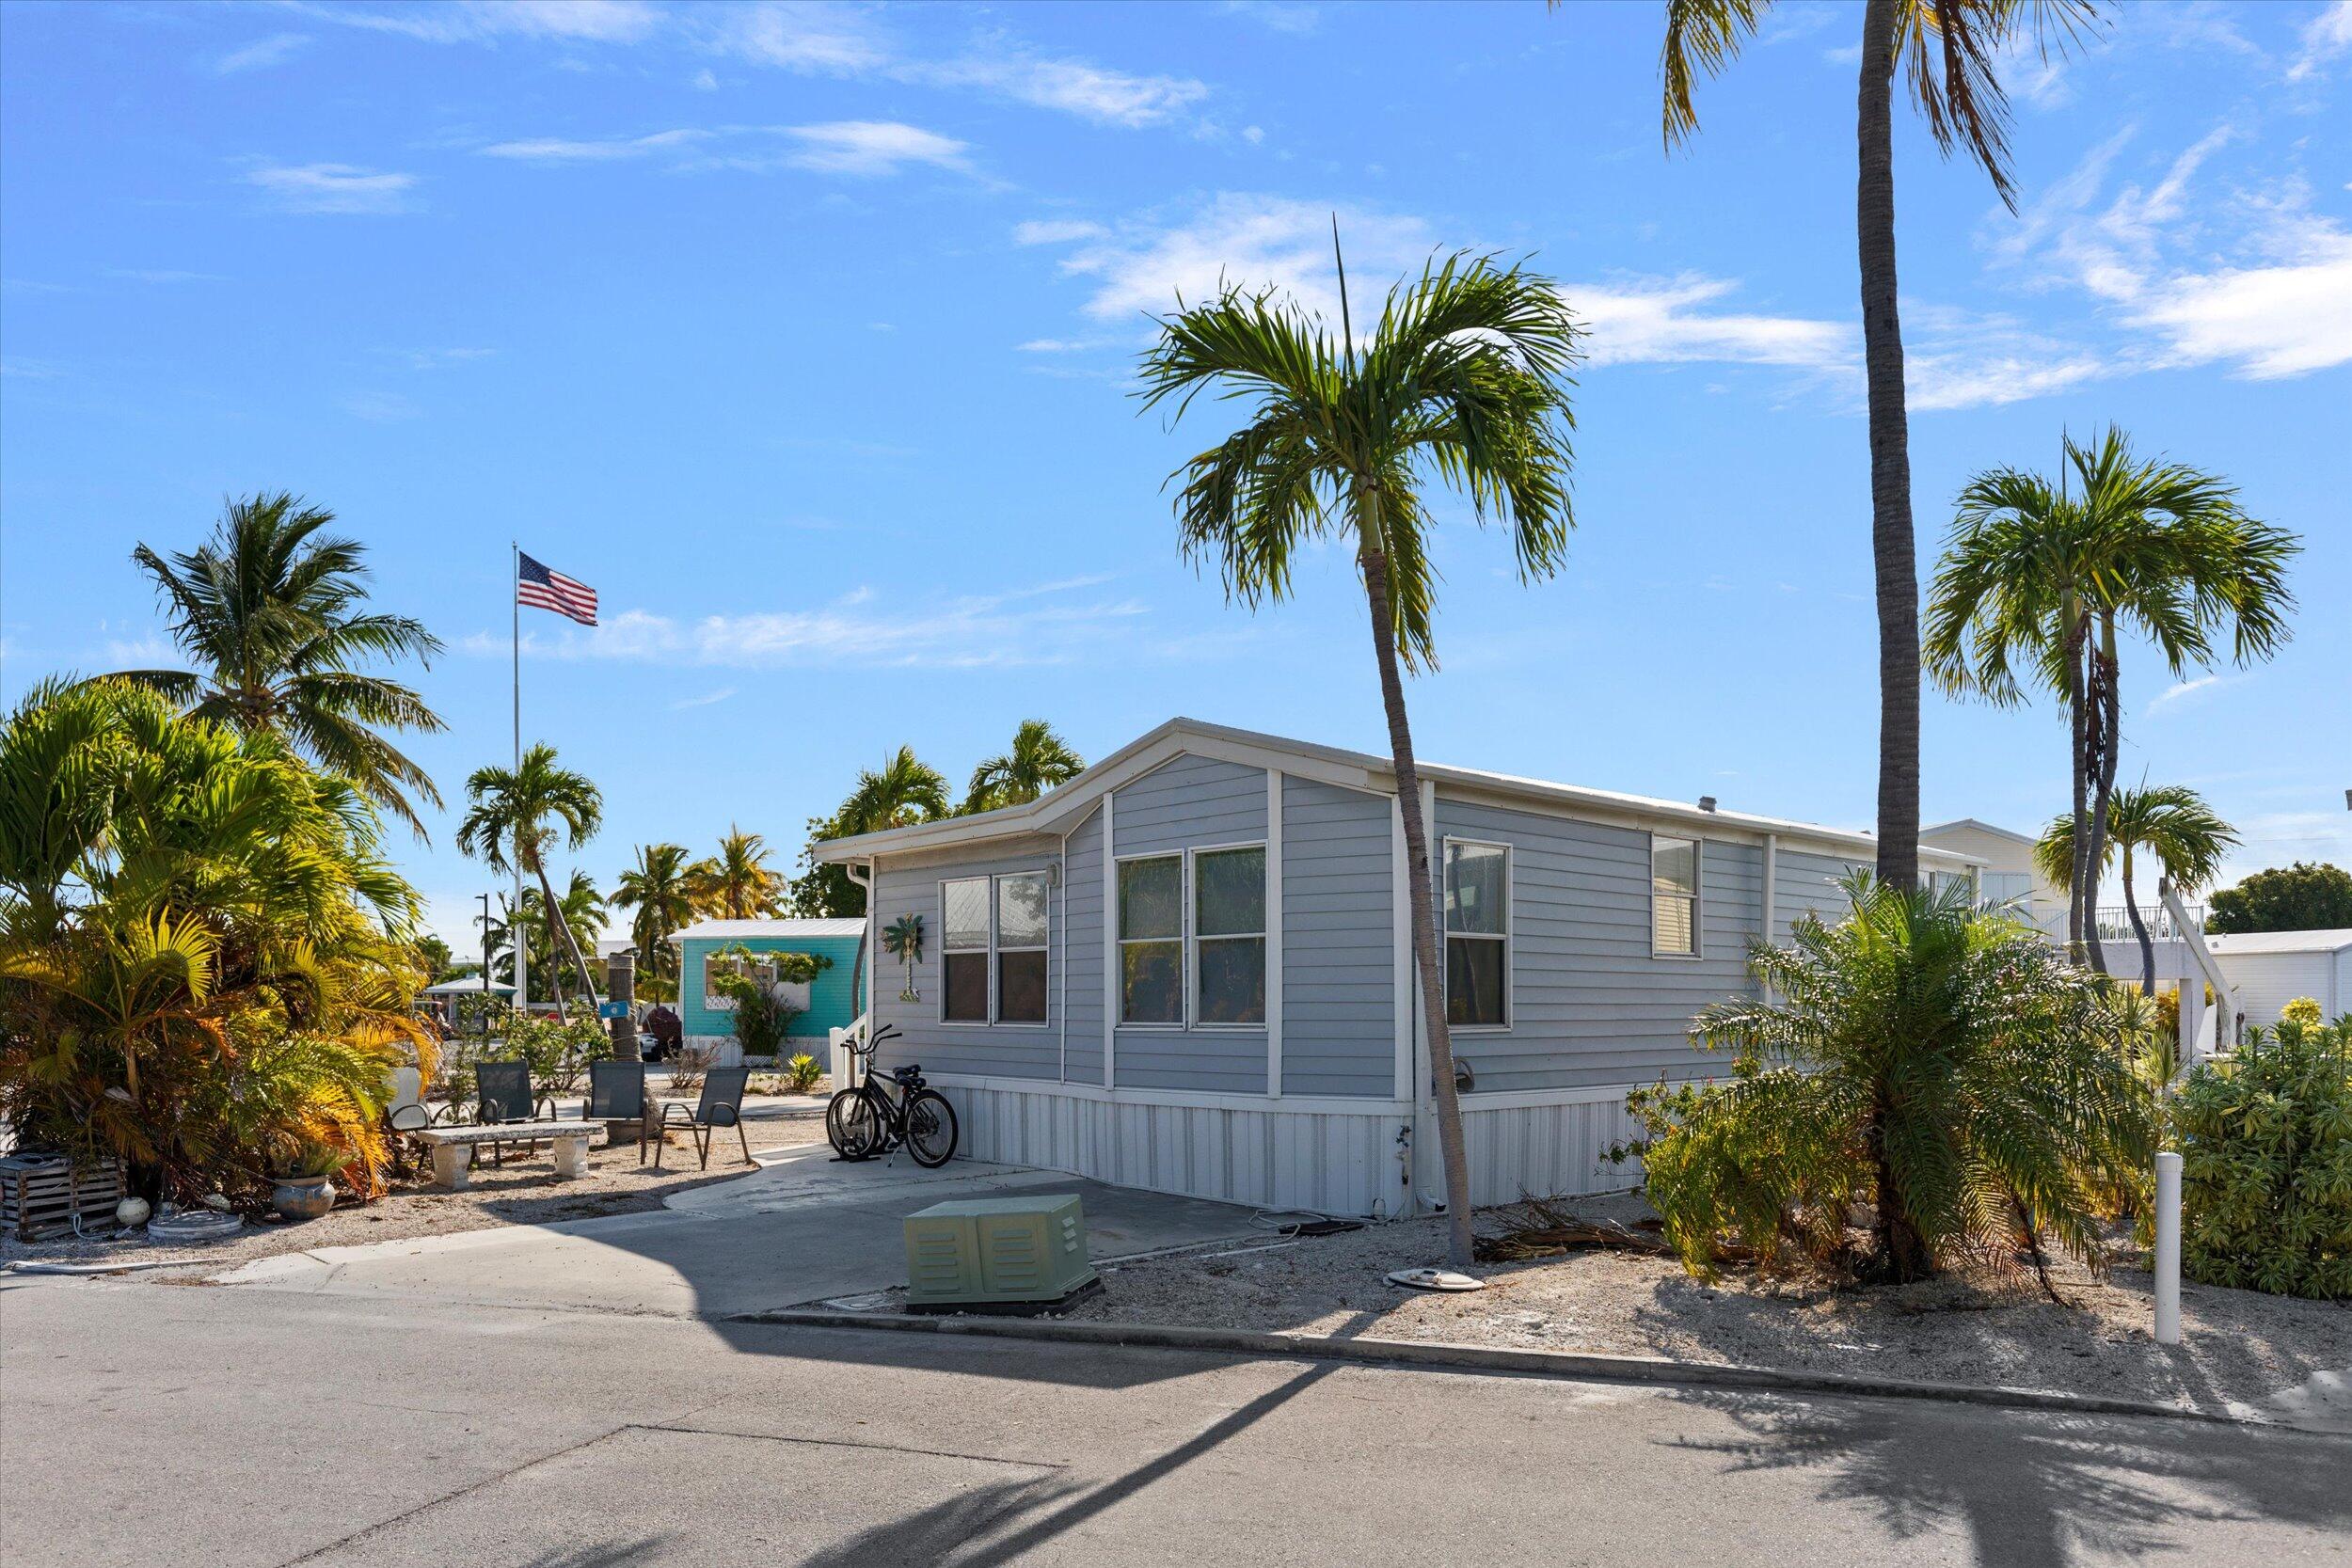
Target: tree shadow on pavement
point(1001, 1524)
point(2034, 1490)
point(605, 1554)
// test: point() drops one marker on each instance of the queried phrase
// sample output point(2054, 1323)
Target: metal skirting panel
point(1547, 1151)
point(1329, 1163)
point(1332, 1162)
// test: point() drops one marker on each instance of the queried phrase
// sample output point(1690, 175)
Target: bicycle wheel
point(930, 1129)
point(852, 1126)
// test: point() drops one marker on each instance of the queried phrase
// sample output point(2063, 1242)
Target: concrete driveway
point(804, 1228)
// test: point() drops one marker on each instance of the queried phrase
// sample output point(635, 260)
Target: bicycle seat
point(908, 1074)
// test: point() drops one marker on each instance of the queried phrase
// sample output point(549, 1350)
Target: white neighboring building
point(2269, 969)
point(2007, 874)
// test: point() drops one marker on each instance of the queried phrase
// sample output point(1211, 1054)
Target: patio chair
point(502, 1094)
point(721, 1105)
point(404, 1117)
point(616, 1093)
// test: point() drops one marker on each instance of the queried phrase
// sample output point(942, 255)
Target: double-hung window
point(995, 947)
point(1229, 936)
point(1674, 896)
point(1151, 941)
point(963, 950)
point(1191, 939)
point(1023, 911)
point(1477, 935)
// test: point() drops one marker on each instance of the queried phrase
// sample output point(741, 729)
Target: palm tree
point(903, 791)
point(1947, 49)
point(273, 612)
point(1465, 379)
point(2038, 577)
point(1040, 760)
point(2171, 822)
point(736, 882)
point(1939, 1062)
point(660, 889)
point(507, 824)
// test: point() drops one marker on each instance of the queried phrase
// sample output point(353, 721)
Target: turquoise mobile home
point(829, 1002)
point(1190, 968)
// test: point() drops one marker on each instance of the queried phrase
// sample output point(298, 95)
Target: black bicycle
point(865, 1120)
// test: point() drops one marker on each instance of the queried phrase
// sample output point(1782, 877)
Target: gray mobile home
point(1190, 968)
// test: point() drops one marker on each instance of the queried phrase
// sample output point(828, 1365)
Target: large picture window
point(963, 950)
point(1023, 911)
point(1229, 936)
point(1674, 896)
point(1152, 939)
point(1477, 935)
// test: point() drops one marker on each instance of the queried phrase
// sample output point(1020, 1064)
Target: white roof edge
point(1071, 802)
point(712, 929)
point(1981, 826)
point(2322, 940)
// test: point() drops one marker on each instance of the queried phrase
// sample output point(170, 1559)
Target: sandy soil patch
point(524, 1191)
point(2240, 1349)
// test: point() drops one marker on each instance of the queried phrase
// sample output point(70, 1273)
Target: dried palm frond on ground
point(1545, 1231)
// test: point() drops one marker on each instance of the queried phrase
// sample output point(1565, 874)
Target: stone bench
point(453, 1147)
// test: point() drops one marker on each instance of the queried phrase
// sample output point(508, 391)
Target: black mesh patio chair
point(616, 1093)
point(502, 1094)
point(721, 1105)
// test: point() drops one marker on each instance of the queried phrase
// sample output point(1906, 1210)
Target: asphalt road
point(174, 1425)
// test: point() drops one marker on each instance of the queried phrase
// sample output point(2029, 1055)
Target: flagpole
point(514, 917)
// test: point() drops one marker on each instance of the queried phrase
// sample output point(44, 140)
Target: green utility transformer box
point(997, 1251)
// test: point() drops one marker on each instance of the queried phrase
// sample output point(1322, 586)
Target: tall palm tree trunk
point(1455, 1157)
point(2108, 725)
point(1891, 544)
point(2078, 718)
point(2140, 929)
point(559, 926)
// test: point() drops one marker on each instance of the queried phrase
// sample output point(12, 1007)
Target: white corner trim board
point(1277, 902)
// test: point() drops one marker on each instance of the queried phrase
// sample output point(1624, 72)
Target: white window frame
point(1446, 934)
point(996, 948)
point(713, 1001)
point(1698, 896)
point(1117, 969)
point(1193, 938)
point(987, 951)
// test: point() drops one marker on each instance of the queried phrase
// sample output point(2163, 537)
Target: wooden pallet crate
point(42, 1195)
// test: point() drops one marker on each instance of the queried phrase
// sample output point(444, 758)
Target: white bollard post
point(2168, 1249)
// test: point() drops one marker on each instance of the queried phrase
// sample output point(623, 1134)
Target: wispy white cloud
point(1054, 232)
point(706, 700)
point(872, 147)
point(148, 652)
point(855, 148)
point(2324, 37)
point(262, 53)
point(1675, 320)
point(2256, 281)
point(1055, 623)
point(439, 359)
point(486, 21)
point(163, 276)
point(380, 407)
point(1280, 16)
point(558, 149)
point(2183, 690)
point(333, 187)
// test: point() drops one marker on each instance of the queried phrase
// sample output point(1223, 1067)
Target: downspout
point(866, 880)
point(1772, 901)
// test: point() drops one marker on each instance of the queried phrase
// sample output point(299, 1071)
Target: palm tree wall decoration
point(902, 939)
point(1465, 379)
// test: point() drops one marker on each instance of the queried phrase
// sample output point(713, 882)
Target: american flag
point(554, 591)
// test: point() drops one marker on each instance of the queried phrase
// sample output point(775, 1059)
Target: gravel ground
point(2239, 1348)
point(522, 1191)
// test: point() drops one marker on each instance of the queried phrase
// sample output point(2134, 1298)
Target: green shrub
point(804, 1074)
point(763, 1019)
point(2303, 1010)
point(2266, 1164)
point(1941, 1063)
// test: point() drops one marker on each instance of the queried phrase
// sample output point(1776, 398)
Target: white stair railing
point(840, 1040)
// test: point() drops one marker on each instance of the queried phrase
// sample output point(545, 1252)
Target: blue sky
point(805, 335)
